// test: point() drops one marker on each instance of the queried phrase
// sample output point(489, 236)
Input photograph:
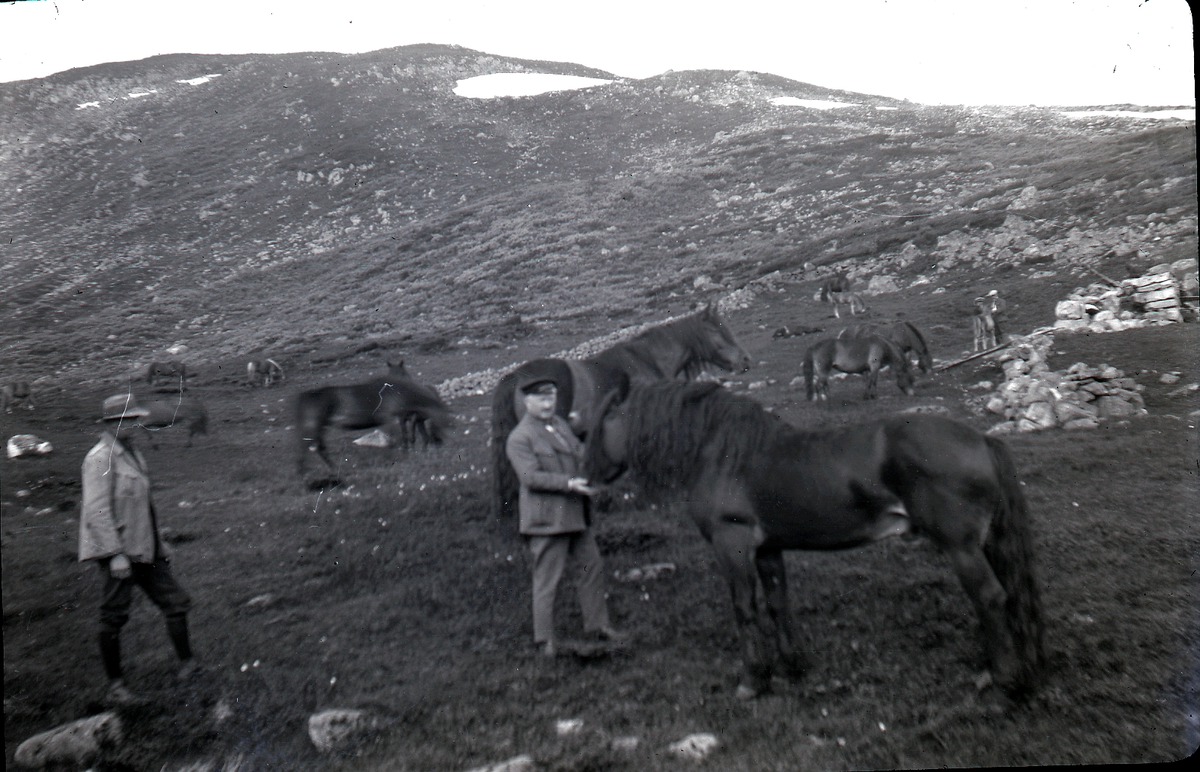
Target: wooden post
point(985, 352)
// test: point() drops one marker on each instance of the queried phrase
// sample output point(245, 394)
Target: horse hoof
point(745, 693)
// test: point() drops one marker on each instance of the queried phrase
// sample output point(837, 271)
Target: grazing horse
point(166, 376)
point(983, 325)
point(15, 393)
point(267, 369)
point(683, 346)
point(395, 398)
point(836, 291)
point(903, 334)
point(756, 486)
point(165, 413)
point(856, 355)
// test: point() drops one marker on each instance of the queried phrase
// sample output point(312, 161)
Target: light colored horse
point(267, 369)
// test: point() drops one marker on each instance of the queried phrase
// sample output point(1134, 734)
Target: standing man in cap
point(999, 311)
point(553, 506)
point(118, 529)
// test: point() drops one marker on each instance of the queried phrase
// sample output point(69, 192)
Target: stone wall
point(1033, 397)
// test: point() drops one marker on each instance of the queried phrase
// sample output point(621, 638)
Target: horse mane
point(676, 431)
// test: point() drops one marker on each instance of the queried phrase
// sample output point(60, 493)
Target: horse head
point(605, 449)
point(723, 349)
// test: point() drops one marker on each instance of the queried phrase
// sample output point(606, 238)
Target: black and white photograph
point(620, 387)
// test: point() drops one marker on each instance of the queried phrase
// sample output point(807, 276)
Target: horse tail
point(504, 420)
point(1009, 551)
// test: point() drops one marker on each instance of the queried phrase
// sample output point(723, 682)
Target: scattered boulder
point(523, 763)
point(374, 439)
point(28, 445)
point(880, 285)
point(79, 743)
point(338, 728)
point(696, 747)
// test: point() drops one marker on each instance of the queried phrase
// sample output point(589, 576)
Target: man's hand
point(580, 485)
point(119, 567)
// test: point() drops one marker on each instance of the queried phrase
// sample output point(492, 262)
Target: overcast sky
point(1045, 52)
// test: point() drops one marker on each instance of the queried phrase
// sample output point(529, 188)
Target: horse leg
point(774, 579)
point(736, 544)
point(989, 598)
point(958, 528)
point(872, 377)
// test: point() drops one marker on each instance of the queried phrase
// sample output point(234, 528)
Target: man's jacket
point(544, 461)
point(117, 513)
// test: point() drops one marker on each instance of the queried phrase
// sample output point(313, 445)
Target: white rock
point(523, 763)
point(1042, 414)
point(77, 743)
point(568, 726)
point(1069, 309)
point(695, 746)
point(374, 439)
point(28, 445)
point(331, 729)
point(880, 285)
point(625, 744)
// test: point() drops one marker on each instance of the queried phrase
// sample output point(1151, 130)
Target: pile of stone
point(1034, 398)
point(1155, 298)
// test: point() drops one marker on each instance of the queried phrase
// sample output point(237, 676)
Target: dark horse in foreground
point(683, 346)
point(756, 486)
point(394, 399)
point(867, 355)
point(904, 334)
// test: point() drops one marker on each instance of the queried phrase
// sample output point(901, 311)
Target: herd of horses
point(754, 485)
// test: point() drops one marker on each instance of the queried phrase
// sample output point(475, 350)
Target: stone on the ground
point(336, 728)
point(374, 439)
point(78, 743)
point(523, 763)
point(28, 445)
point(695, 746)
point(1114, 407)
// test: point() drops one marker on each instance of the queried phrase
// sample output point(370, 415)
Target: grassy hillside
point(302, 198)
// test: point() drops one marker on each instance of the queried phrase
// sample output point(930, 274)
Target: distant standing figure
point(119, 530)
point(546, 456)
point(984, 325)
point(999, 311)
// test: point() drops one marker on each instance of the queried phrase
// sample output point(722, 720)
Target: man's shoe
point(189, 670)
point(610, 633)
point(119, 696)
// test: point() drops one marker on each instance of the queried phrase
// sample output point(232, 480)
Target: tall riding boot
point(178, 630)
point(110, 652)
